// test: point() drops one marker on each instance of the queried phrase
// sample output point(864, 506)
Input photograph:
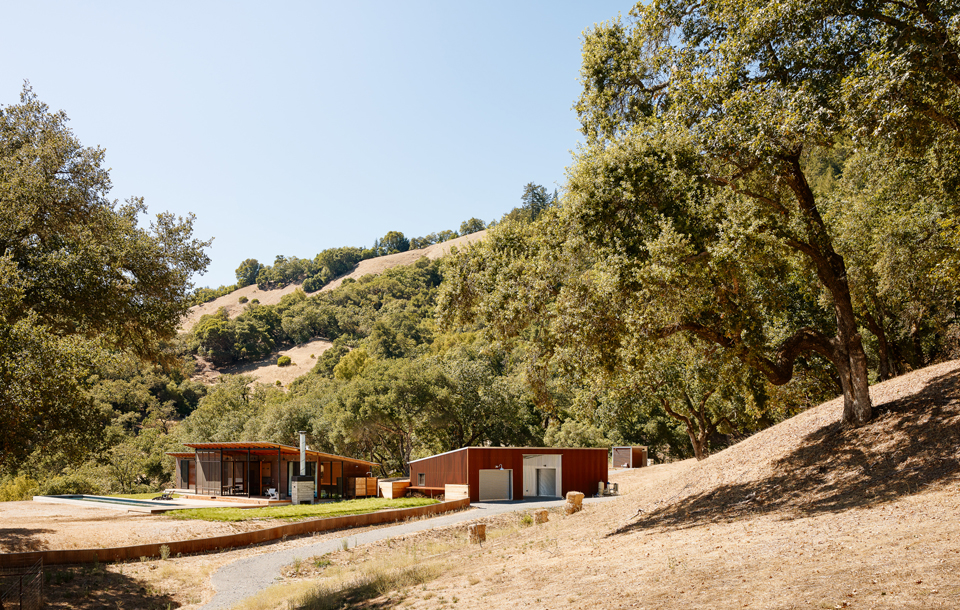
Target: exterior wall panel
point(441, 469)
point(582, 469)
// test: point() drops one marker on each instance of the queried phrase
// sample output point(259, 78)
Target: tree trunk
point(849, 356)
point(918, 355)
point(699, 445)
point(851, 360)
point(697, 433)
point(875, 326)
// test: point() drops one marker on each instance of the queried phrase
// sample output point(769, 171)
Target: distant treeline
point(329, 264)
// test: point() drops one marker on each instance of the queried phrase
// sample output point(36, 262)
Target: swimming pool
point(114, 500)
point(111, 502)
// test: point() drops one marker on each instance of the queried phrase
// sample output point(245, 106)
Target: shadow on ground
point(20, 539)
point(92, 587)
point(911, 444)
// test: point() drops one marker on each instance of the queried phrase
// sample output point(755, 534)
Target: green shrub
point(284, 361)
point(255, 302)
point(69, 484)
point(243, 299)
point(20, 488)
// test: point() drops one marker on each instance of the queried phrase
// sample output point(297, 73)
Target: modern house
point(250, 468)
point(511, 473)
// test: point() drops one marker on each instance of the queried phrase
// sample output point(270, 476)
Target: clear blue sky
point(292, 127)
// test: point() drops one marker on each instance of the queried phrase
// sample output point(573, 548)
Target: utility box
point(302, 492)
point(394, 489)
point(629, 457)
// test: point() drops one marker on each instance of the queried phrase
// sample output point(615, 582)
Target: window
point(421, 479)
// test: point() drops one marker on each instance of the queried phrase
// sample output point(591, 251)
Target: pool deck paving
point(248, 576)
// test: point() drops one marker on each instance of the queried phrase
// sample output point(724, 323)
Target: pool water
point(111, 500)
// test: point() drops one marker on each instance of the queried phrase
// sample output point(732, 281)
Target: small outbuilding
point(629, 457)
point(511, 473)
point(250, 468)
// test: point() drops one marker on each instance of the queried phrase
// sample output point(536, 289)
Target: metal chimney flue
point(303, 453)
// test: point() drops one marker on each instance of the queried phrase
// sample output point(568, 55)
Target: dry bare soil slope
point(266, 370)
point(806, 514)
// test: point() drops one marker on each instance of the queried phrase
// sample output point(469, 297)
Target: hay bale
point(541, 516)
point(478, 532)
point(574, 502)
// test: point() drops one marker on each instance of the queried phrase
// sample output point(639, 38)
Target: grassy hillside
point(803, 515)
point(231, 302)
point(266, 370)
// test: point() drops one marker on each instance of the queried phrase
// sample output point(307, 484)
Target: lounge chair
point(166, 495)
point(272, 494)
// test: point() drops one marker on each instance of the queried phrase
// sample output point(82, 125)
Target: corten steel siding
point(441, 469)
point(582, 468)
point(639, 457)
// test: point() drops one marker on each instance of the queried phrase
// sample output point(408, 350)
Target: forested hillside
point(762, 215)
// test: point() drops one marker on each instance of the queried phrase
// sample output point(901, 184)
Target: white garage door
point(495, 485)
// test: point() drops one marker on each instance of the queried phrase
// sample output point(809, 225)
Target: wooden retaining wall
point(204, 545)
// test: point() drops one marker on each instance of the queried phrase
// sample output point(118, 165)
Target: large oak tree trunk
point(849, 356)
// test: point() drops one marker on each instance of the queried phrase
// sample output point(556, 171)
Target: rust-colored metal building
point(250, 468)
point(629, 457)
point(512, 473)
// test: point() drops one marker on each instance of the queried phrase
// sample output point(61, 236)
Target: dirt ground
point(806, 514)
point(38, 526)
point(303, 358)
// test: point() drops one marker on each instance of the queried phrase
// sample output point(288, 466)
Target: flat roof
point(263, 447)
point(531, 449)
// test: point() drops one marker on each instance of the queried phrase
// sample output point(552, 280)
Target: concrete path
point(245, 577)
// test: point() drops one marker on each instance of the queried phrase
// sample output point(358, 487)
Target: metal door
point(547, 482)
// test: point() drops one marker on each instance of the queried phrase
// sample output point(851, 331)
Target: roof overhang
point(266, 448)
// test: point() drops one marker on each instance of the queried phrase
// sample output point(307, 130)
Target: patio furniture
point(166, 495)
point(272, 494)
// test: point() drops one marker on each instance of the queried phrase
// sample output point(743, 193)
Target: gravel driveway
point(239, 580)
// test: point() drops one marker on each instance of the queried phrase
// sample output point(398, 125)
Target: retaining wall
point(216, 543)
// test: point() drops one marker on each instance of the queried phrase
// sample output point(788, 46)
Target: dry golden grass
point(266, 370)
point(804, 515)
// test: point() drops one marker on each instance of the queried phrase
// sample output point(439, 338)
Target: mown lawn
point(302, 511)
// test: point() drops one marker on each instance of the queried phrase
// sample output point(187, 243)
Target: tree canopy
point(728, 193)
point(81, 278)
